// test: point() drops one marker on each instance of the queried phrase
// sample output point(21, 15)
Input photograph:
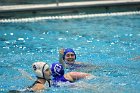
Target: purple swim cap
point(57, 69)
point(68, 50)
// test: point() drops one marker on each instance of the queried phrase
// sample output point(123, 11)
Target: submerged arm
point(135, 58)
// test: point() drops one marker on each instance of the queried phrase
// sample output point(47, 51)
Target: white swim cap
point(39, 68)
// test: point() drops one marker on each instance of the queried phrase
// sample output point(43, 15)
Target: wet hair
point(68, 50)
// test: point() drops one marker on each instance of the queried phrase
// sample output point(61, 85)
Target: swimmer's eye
point(68, 55)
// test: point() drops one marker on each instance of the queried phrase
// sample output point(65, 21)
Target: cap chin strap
point(49, 82)
point(43, 71)
point(40, 77)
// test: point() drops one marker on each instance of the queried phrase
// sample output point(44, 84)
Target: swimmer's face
point(70, 57)
point(47, 74)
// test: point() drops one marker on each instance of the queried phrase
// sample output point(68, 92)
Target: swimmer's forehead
point(70, 53)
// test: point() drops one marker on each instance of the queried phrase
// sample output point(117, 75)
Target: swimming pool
point(108, 42)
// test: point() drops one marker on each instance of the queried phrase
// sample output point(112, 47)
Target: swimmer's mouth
point(70, 60)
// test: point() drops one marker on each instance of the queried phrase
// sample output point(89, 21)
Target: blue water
point(107, 42)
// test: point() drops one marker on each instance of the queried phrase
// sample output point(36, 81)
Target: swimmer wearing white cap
point(43, 74)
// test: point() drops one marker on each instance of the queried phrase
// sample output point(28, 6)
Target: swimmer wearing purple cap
point(43, 73)
point(67, 57)
point(59, 75)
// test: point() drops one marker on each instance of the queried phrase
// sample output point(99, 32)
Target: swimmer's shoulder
point(86, 64)
point(38, 86)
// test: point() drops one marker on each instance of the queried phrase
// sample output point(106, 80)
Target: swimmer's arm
point(87, 65)
point(135, 58)
point(83, 63)
point(36, 87)
point(61, 61)
point(78, 75)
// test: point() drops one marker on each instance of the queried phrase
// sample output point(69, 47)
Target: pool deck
point(15, 11)
point(66, 5)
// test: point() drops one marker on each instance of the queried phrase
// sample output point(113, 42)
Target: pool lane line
point(78, 16)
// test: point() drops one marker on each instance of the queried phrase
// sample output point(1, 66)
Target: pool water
point(107, 42)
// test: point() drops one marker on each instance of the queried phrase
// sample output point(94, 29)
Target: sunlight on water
point(106, 42)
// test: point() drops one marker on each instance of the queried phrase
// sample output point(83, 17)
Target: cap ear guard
point(44, 68)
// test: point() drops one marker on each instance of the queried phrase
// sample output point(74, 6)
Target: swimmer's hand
point(90, 77)
point(61, 51)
